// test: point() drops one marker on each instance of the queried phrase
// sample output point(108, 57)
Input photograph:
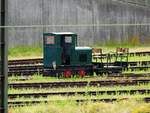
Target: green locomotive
point(62, 56)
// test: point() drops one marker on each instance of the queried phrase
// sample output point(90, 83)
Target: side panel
point(52, 56)
point(52, 50)
point(81, 57)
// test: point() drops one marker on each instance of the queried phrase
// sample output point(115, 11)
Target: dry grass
point(89, 107)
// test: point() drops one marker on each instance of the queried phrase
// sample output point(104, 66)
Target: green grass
point(25, 52)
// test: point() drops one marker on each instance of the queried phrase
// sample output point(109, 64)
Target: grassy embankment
point(90, 107)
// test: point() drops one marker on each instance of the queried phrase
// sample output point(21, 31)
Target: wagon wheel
point(82, 73)
point(67, 73)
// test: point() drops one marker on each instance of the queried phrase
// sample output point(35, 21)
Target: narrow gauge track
point(111, 76)
point(20, 79)
point(25, 61)
point(25, 72)
point(38, 69)
point(40, 66)
point(40, 61)
point(79, 83)
point(26, 103)
point(130, 75)
point(72, 93)
point(27, 67)
point(33, 66)
point(46, 72)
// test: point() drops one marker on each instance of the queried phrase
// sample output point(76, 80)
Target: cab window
point(68, 39)
point(50, 40)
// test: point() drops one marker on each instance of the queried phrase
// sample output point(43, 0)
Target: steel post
point(4, 47)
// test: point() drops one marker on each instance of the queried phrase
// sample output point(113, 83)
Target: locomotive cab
point(58, 47)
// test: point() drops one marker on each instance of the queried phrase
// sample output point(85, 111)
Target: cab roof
point(61, 33)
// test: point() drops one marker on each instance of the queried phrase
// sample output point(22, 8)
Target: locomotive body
point(63, 56)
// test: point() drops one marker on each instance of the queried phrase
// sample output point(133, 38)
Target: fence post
point(3, 53)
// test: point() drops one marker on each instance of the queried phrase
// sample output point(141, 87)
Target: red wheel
point(67, 73)
point(82, 73)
